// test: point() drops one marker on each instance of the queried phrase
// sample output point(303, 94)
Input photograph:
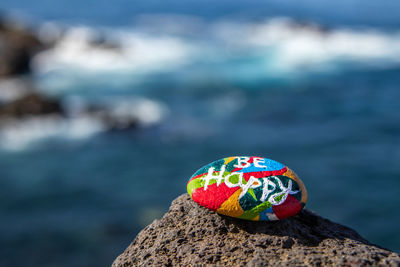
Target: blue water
point(68, 202)
point(123, 12)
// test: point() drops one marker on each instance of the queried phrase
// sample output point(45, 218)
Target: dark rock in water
point(17, 47)
point(31, 104)
point(113, 122)
point(190, 235)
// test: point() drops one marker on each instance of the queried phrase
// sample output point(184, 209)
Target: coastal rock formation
point(31, 104)
point(17, 47)
point(191, 235)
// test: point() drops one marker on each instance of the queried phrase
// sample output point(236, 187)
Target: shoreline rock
point(31, 104)
point(190, 235)
point(18, 45)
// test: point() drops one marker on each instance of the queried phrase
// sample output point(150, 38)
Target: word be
point(244, 160)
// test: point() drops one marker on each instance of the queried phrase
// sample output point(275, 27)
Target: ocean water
point(313, 88)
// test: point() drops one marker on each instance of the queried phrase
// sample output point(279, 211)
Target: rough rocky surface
point(190, 235)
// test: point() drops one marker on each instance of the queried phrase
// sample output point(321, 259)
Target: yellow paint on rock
point(227, 160)
point(289, 173)
point(231, 206)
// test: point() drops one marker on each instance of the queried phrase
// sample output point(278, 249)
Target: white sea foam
point(148, 112)
point(280, 47)
point(303, 48)
point(164, 46)
point(313, 48)
point(122, 51)
point(20, 134)
point(13, 88)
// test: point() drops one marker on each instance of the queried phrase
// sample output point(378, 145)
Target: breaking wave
point(86, 63)
point(16, 135)
point(278, 46)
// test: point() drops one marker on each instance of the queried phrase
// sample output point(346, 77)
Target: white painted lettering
point(268, 188)
point(285, 190)
point(257, 162)
point(242, 160)
point(210, 176)
point(252, 183)
point(229, 183)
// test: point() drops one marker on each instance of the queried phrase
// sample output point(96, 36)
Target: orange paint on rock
point(291, 174)
point(231, 206)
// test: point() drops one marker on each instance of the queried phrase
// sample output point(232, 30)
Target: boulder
point(31, 104)
point(191, 235)
point(17, 47)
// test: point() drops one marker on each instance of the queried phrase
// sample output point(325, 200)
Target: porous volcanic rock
point(190, 235)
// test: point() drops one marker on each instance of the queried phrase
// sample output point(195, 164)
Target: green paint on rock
point(250, 214)
point(231, 165)
point(199, 182)
point(251, 192)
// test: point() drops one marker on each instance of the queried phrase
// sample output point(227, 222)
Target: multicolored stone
point(250, 188)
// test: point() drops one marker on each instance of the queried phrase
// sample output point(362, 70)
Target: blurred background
point(108, 107)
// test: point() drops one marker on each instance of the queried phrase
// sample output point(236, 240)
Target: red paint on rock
point(290, 207)
point(214, 196)
point(263, 174)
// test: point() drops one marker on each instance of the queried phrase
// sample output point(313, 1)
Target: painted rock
point(250, 188)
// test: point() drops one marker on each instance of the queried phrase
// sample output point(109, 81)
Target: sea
point(312, 84)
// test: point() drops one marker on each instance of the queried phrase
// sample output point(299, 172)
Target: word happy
point(268, 187)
